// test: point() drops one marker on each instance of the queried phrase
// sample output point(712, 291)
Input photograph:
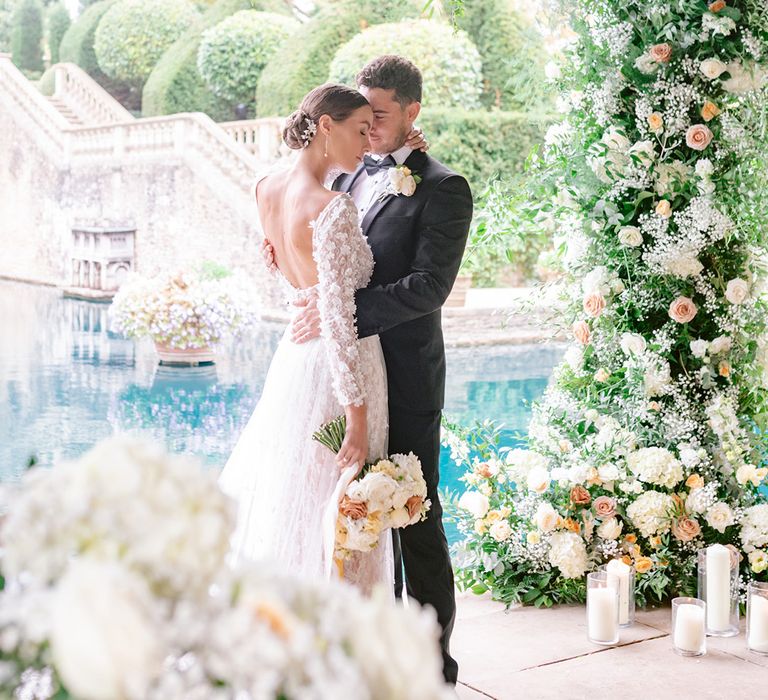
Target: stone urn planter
point(184, 357)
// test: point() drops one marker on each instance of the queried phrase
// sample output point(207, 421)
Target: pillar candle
point(689, 627)
point(621, 571)
point(758, 623)
point(601, 614)
point(718, 588)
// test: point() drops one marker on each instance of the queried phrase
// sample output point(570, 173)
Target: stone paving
point(530, 654)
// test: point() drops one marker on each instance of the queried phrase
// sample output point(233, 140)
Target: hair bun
point(299, 130)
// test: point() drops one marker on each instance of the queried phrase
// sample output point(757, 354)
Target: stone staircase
point(66, 111)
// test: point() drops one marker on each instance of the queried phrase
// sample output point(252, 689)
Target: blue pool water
point(66, 381)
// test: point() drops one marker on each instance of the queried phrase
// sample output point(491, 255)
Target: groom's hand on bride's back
point(306, 323)
point(268, 255)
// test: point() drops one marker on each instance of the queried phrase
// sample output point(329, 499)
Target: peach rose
point(736, 555)
point(571, 525)
point(682, 310)
point(605, 507)
point(643, 565)
point(655, 541)
point(484, 469)
point(664, 209)
point(694, 481)
point(661, 53)
point(709, 111)
point(353, 509)
point(413, 504)
point(724, 369)
point(716, 6)
point(655, 122)
point(580, 496)
point(627, 560)
point(698, 137)
point(685, 529)
point(594, 304)
point(581, 332)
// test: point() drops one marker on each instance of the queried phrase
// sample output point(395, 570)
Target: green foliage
point(58, 23)
point(234, 52)
point(47, 82)
point(27, 35)
point(304, 62)
point(512, 55)
point(448, 60)
point(133, 35)
point(6, 23)
point(175, 85)
point(77, 43)
point(480, 145)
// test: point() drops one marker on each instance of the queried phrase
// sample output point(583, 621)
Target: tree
point(58, 23)
point(27, 35)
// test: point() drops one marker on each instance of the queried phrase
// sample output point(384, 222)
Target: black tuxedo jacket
point(417, 244)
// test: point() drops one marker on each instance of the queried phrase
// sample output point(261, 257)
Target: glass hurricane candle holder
point(625, 580)
point(602, 609)
point(689, 627)
point(719, 588)
point(757, 617)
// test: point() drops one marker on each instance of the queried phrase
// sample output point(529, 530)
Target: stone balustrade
point(86, 97)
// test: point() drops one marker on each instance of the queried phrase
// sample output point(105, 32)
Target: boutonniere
point(401, 180)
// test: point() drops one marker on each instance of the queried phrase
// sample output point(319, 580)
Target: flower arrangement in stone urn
point(187, 313)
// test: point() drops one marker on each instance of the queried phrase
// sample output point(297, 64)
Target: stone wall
point(183, 213)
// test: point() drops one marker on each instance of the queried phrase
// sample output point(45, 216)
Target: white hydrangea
point(568, 553)
point(656, 465)
point(650, 513)
point(754, 527)
point(521, 462)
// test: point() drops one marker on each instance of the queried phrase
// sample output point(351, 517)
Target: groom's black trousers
point(423, 548)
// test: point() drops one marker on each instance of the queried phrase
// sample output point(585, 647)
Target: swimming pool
point(66, 381)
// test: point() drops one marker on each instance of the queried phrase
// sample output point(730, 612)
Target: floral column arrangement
point(650, 442)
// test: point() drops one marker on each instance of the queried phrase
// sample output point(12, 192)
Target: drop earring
point(326, 146)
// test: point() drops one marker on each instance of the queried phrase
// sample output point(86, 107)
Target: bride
point(281, 479)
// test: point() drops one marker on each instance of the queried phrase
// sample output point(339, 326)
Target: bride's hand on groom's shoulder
point(306, 324)
point(416, 140)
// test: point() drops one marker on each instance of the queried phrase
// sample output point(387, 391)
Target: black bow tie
point(373, 166)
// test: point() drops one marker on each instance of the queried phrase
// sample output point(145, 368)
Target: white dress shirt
point(366, 187)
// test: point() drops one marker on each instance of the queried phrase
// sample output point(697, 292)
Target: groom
point(417, 243)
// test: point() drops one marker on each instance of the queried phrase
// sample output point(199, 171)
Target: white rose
point(722, 343)
point(103, 640)
point(408, 187)
point(720, 516)
point(643, 152)
point(704, 168)
point(614, 138)
point(379, 490)
point(574, 357)
point(608, 472)
point(396, 178)
point(610, 529)
point(645, 64)
point(630, 236)
point(699, 348)
point(632, 343)
point(399, 517)
point(712, 68)
point(546, 518)
point(476, 503)
point(737, 291)
point(501, 531)
point(538, 480)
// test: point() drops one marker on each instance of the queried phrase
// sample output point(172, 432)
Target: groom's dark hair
point(393, 73)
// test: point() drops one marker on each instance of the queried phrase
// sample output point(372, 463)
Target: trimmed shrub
point(175, 84)
point(27, 36)
point(449, 62)
point(6, 24)
point(133, 35)
point(58, 23)
point(480, 145)
point(47, 82)
point(304, 62)
point(234, 52)
point(77, 43)
point(512, 54)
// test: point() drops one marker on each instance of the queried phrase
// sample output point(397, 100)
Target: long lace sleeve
point(344, 264)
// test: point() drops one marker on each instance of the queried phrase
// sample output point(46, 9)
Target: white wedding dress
point(282, 480)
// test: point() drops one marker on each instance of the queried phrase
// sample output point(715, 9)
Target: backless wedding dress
point(282, 480)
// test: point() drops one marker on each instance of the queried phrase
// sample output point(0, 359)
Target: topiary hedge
point(58, 23)
point(512, 54)
point(77, 43)
point(133, 35)
point(304, 62)
point(6, 23)
point(480, 145)
point(175, 85)
point(234, 52)
point(27, 36)
point(449, 62)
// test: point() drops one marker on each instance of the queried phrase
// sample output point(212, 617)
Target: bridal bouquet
point(115, 586)
point(389, 493)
